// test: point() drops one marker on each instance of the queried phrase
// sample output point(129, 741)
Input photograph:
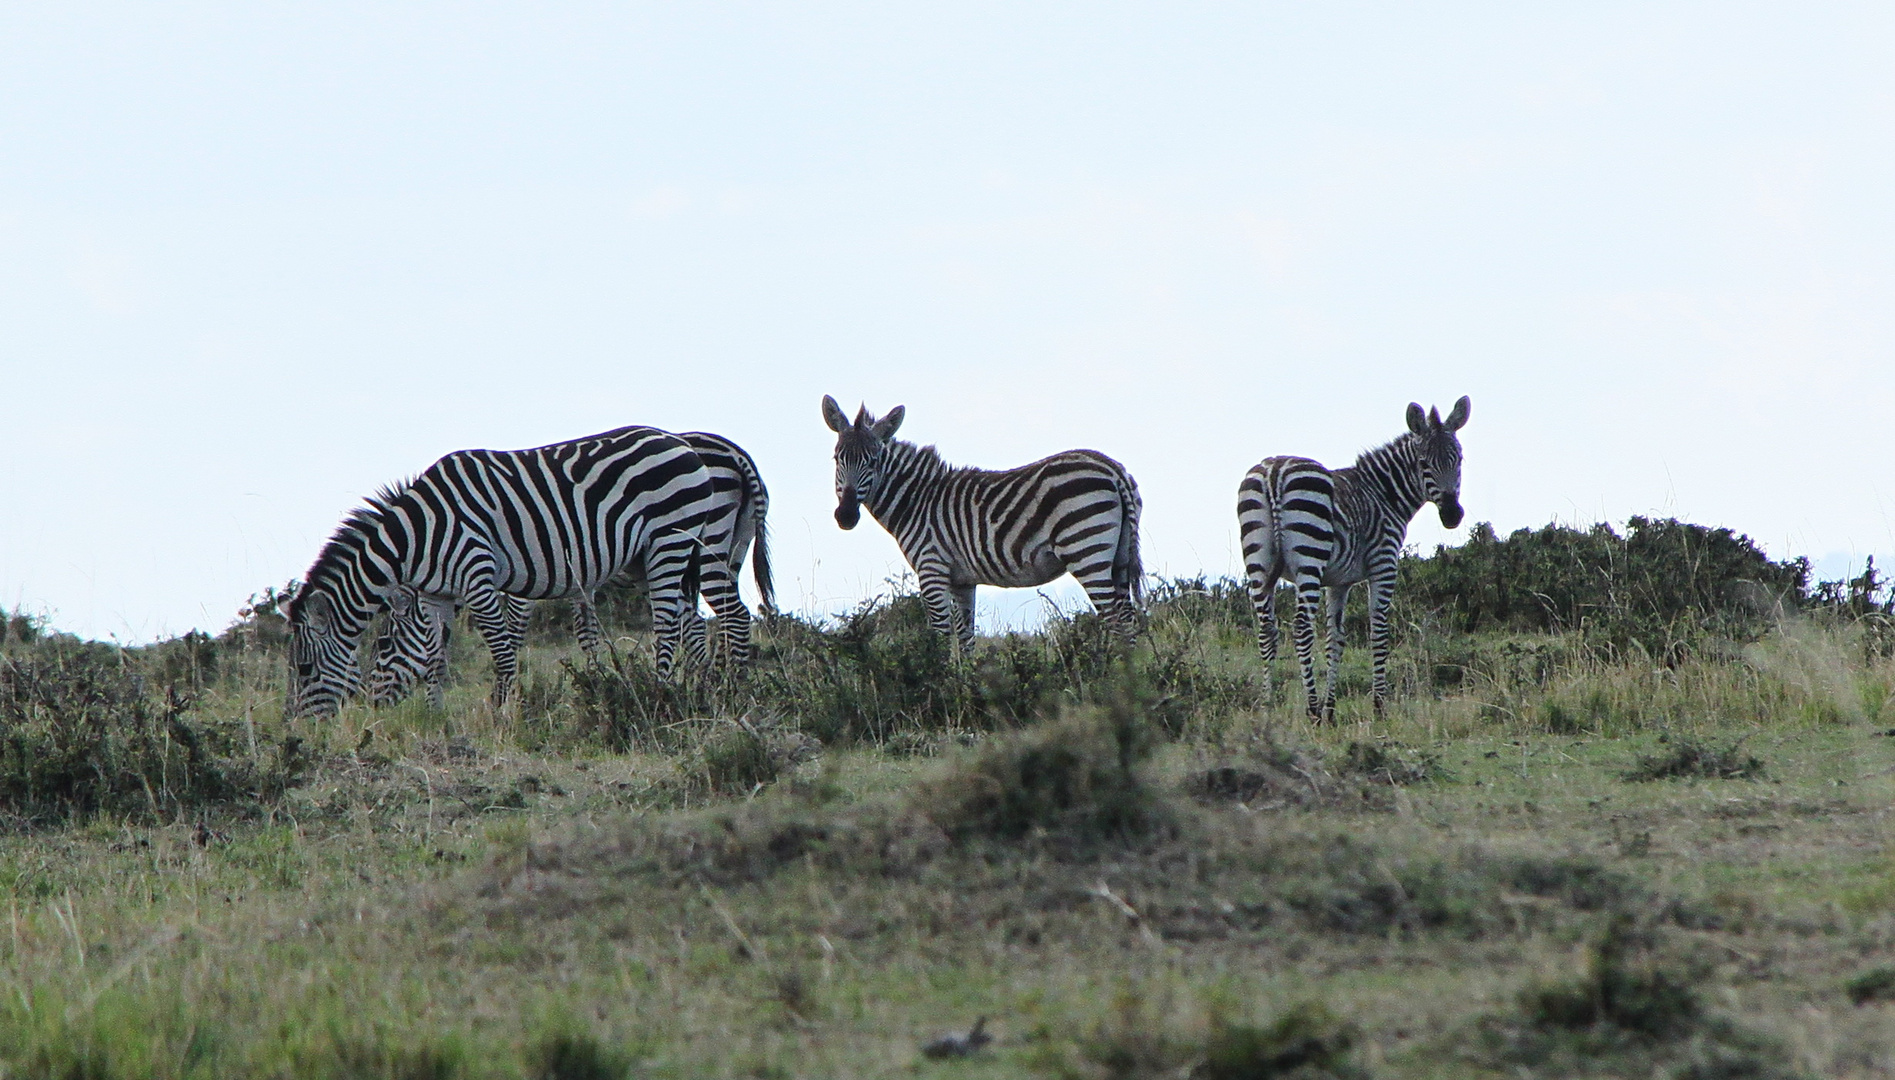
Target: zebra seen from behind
point(479, 526)
point(1073, 513)
point(1323, 529)
point(413, 645)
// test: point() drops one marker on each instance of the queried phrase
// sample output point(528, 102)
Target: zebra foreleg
point(1381, 593)
point(964, 612)
point(944, 611)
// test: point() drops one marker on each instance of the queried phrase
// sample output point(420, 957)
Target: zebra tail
point(1134, 567)
point(760, 568)
point(758, 498)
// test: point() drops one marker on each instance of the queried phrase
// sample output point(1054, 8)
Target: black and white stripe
point(481, 525)
point(1075, 513)
point(1320, 529)
point(413, 645)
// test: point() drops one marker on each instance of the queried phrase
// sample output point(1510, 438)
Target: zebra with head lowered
point(482, 525)
point(1073, 513)
point(1328, 529)
point(413, 644)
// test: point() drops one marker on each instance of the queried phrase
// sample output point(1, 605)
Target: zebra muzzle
point(849, 510)
point(1451, 513)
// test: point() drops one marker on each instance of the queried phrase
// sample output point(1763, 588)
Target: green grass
point(465, 893)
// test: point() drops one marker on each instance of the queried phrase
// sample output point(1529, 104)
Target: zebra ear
point(885, 427)
point(316, 614)
point(1417, 420)
point(1457, 417)
point(832, 414)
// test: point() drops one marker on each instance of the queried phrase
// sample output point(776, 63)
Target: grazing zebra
point(478, 525)
point(1075, 512)
point(1322, 529)
point(413, 645)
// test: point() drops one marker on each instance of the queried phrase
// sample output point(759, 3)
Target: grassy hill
point(1627, 816)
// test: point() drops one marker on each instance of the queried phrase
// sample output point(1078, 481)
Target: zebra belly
point(1042, 568)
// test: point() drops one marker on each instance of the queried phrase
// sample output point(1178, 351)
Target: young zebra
point(413, 644)
point(1322, 529)
point(1075, 512)
point(477, 525)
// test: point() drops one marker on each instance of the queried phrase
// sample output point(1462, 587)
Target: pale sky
point(258, 260)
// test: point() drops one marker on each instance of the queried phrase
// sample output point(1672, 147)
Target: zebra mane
point(1385, 453)
point(928, 455)
point(343, 545)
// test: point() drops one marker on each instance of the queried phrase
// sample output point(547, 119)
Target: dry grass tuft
point(1690, 758)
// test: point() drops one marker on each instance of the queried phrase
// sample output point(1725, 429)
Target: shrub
point(19, 628)
point(623, 705)
point(82, 732)
point(1659, 589)
point(572, 1056)
point(1139, 1040)
point(1632, 1012)
point(1875, 984)
point(1689, 758)
point(1307, 1041)
point(1622, 987)
point(1076, 779)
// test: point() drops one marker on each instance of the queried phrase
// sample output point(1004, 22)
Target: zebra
point(477, 525)
point(1322, 529)
point(413, 644)
point(1075, 512)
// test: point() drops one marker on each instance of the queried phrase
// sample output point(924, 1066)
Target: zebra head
point(1439, 455)
point(407, 646)
point(861, 447)
point(323, 668)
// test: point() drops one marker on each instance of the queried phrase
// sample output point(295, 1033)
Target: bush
point(1632, 1012)
point(1623, 987)
point(1875, 984)
point(83, 731)
point(19, 628)
point(1076, 779)
point(574, 1056)
point(1659, 589)
point(1308, 1041)
point(1691, 758)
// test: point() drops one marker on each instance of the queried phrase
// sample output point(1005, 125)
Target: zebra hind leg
point(1112, 599)
point(694, 636)
point(586, 626)
point(669, 562)
point(1309, 592)
point(492, 617)
point(1262, 586)
point(719, 588)
point(1338, 597)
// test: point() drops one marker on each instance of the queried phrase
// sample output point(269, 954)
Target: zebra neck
point(909, 475)
point(1391, 475)
point(357, 566)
